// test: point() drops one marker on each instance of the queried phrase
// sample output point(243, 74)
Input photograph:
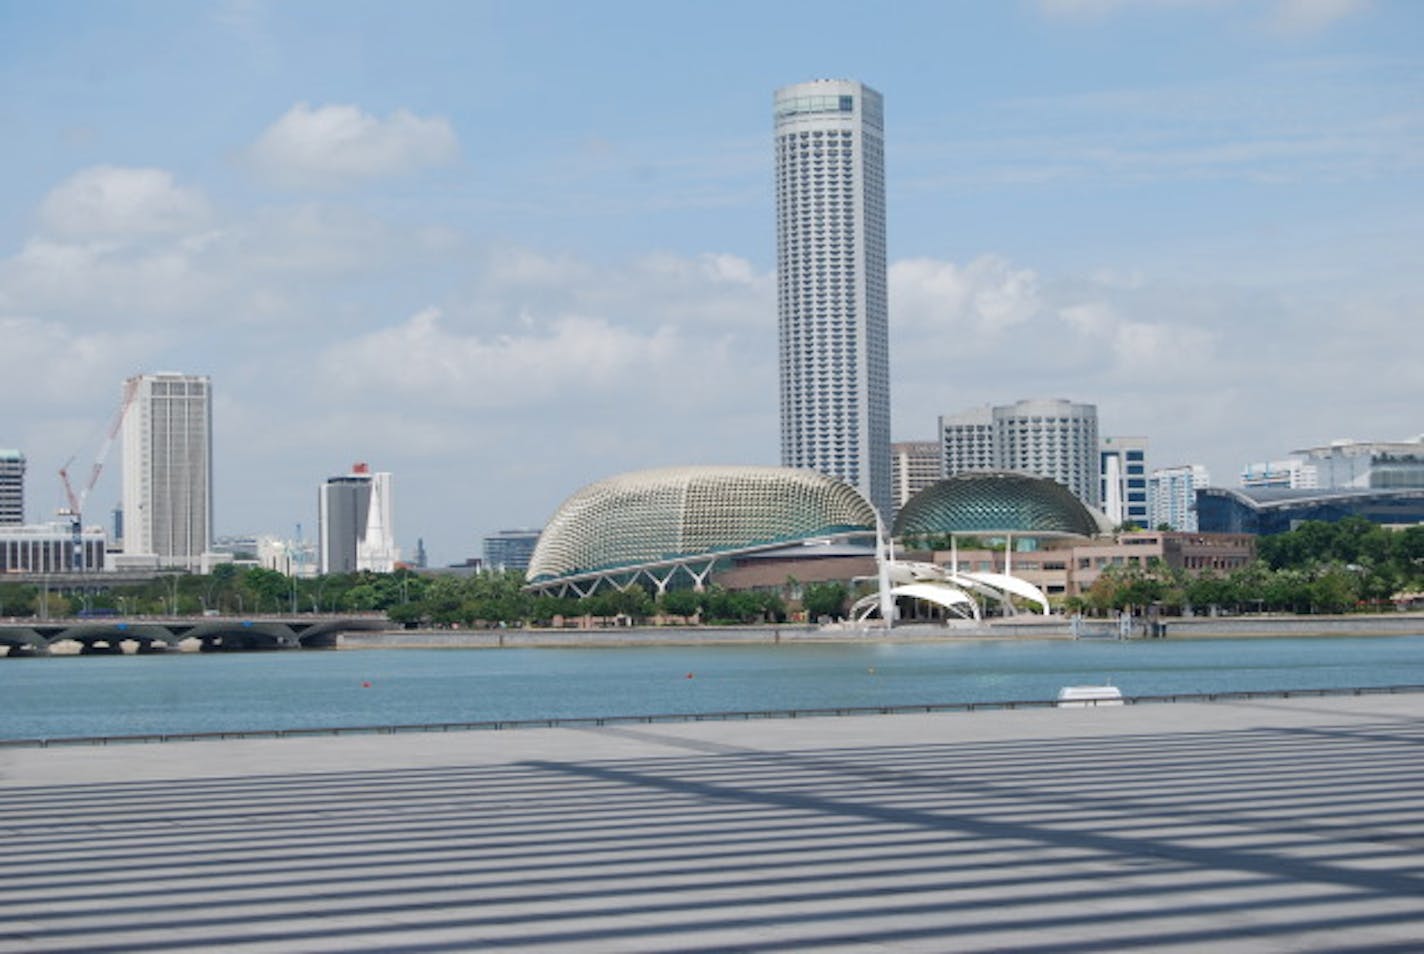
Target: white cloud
point(52, 362)
point(335, 145)
point(116, 202)
point(571, 355)
point(1312, 16)
point(1167, 349)
point(968, 303)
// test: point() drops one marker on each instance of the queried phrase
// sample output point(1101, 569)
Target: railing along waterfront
point(723, 716)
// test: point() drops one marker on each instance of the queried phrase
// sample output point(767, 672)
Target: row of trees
point(406, 597)
point(1316, 568)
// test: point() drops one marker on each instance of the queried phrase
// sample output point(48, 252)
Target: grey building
point(12, 488)
point(510, 549)
point(914, 466)
point(343, 507)
point(1056, 439)
point(833, 328)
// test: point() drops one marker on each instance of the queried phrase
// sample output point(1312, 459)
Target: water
point(120, 695)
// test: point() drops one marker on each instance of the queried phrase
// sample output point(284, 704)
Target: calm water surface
point(116, 695)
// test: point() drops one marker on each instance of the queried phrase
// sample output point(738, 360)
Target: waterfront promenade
point(1262, 825)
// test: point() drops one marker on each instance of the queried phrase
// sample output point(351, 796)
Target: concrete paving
point(1285, 825)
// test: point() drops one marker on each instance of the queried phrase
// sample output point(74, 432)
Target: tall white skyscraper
point(831, 300)
point(168, 469)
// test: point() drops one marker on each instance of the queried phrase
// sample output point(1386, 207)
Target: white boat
point(1081, 696)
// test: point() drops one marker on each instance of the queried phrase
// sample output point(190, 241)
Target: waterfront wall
point(1037, 627)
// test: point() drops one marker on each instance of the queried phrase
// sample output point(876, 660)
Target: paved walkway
point(1284, 825)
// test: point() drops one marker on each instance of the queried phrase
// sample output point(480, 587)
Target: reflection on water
point(228, 692)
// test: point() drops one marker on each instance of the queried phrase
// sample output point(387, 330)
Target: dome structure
point(998, 502)
point(679, 517)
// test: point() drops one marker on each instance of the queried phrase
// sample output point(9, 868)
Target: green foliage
point(825, 599)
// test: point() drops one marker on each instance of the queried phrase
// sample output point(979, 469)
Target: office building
point(49, 548)
point(167, 477)
point(1172, 492)
point(356, 517)
point(12, 488)
point(1122, 473)
point(831, 289)
point(1373, 465)
point(510, 549)
point(1289, 474)
point(914, 465)
point(1046, 438)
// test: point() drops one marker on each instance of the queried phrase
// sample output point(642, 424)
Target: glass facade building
point(833, 325)
point(998, 502)
point(1276, 510)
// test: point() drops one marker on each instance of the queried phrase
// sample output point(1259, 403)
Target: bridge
point(213, 634)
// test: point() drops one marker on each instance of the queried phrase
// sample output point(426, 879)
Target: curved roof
point(998, 502)
point(657, 516)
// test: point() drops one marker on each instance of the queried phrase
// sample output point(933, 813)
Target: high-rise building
point(355, 514)
point(1047, 438)
point(1173, 495)
point(12, 488)
point(168, 469)
point(510, 549)
point(914, 465)
point(1122, 470)
point(967, 441)
point(831, 291)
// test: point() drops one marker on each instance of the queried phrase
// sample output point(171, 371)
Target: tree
point(685, 603)
point(825, 599)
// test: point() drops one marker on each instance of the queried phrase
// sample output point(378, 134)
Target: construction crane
point(75, 510)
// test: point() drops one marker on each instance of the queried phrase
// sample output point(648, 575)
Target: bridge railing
point(722, 716)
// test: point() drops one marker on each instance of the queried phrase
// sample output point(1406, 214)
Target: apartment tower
point(831, 298)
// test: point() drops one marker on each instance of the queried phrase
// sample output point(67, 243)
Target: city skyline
point(402, 237)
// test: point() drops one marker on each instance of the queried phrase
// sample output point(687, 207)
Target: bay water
point(67, 696)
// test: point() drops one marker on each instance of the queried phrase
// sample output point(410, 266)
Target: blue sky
point(504, 249)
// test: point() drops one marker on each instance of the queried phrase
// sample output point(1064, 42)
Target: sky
point(505, 249)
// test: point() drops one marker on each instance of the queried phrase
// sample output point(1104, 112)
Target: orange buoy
point(365, 685)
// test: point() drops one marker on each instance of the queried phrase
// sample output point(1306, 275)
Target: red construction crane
point(75, 512)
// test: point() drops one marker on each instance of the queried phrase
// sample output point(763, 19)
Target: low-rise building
point(49, 548)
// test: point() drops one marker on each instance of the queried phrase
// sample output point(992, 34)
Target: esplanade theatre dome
point(998, 502)
point(661, 517)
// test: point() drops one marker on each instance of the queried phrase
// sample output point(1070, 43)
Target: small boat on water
point(1082, 696)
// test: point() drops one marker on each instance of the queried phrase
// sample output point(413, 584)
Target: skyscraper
point(12, 487)
point(831, 300)
point(168, 464)
point(355, 514)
